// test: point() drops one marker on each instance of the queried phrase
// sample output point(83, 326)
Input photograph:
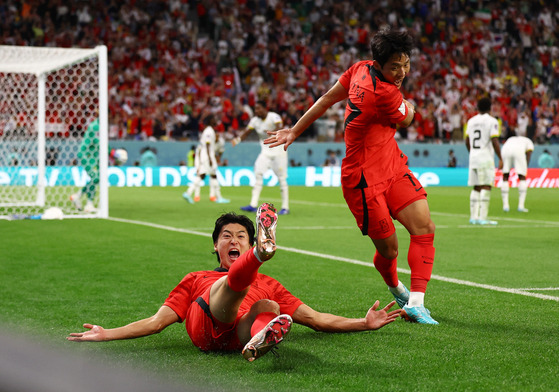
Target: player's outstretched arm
point(325, 322)
point(164, 317)
point(241, 137)
point(287, 136)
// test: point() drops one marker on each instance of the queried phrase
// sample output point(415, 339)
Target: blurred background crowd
point(172, 62)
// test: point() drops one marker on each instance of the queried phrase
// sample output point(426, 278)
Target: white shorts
point(204, 166)
point(278, 163)
point(518, 161)
point(481, 176)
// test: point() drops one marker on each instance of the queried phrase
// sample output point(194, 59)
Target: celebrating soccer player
point(376, 181)
point(234, 307)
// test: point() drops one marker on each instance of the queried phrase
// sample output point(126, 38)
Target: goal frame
point(48, 63)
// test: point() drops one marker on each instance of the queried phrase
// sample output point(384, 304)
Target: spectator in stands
point(190, 156)
point(148, 157)
point(273, 54)
point(553, 134)
point(546, 160)
point(451, 158)
point(331, 159)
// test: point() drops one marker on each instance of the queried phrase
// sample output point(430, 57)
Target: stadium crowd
point(172, 62)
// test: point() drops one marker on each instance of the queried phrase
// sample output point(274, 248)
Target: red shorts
point(207, 333)
point(374, 206)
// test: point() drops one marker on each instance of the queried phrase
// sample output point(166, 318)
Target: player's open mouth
point(234, 254)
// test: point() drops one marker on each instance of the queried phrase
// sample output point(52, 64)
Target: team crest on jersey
point(384, 227)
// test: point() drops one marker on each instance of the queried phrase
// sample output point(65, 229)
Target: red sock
point(261, 321)
point(387, 269)
point(243, 271)
point(420, 259)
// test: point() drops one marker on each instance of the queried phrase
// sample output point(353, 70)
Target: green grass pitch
point(495, 292)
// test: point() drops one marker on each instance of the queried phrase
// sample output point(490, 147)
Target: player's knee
point(390, 253)
point(266, 305)
point(423, 226)
point(258, 178)
point(426, 227)
point(430, 227)
point(387, 247)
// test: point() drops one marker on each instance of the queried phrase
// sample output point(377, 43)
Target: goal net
point(53, 131)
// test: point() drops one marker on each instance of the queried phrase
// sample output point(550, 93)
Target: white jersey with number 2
point(481, 129)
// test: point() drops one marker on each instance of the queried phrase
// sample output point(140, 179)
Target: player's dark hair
point(210, 120)
point(387, 42)
point(484, 105)
point(232, 217)
point(262, 103)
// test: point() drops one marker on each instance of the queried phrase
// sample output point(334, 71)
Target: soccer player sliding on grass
point(234, 307)
point(376, 181)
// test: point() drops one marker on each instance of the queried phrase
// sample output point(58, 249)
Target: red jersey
point(195, 284)
point(374, 107)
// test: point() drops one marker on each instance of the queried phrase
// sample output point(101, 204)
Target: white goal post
point(52, 100)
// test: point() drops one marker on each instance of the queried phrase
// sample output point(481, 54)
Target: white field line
point(400, 227)
point(156, 226)
point(499, 218)
point(353, 261)
point(466, 217)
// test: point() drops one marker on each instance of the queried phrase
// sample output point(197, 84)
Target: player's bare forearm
point(288, 135)
point(326, 322)
point(145, 327)
point(241, 137)
point(496, 147)
point(96, 333)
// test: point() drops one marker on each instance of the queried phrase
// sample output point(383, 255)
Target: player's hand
point(410, 106)
point(376, 319)
point(96, 333)
point(235, 141)
point(284, 136)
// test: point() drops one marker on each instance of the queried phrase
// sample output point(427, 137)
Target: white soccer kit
point(205, 152)
point(514, 154)
point(206, 163)
point(269, 158)
point(481, 129)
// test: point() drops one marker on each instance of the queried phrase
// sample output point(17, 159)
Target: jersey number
point(477, 138)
